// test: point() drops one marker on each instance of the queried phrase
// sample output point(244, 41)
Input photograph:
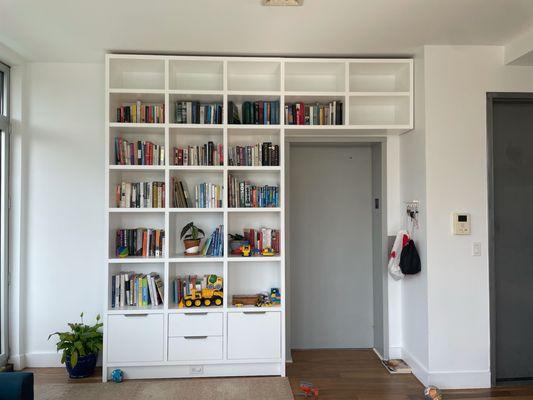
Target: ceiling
point(82, 31)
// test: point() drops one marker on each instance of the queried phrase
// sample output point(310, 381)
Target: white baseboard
point(18, 361)
point(377, 353)
point(43, 359)
point(460, 379)
point(418, 369)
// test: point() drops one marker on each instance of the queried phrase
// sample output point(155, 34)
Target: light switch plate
point(476, 249)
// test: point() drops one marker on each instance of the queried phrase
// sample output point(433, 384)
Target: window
point(4, 163)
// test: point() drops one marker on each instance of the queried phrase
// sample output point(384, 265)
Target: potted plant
point(190, 234)
point(236, 242)
point(80, 347)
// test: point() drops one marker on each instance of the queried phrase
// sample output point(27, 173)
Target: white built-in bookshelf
point(165, 340)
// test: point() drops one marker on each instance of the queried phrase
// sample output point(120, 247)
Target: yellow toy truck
point(205, 297)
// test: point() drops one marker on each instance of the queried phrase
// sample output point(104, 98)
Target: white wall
point(62, 241)
point(457, 80)
point(414, 288)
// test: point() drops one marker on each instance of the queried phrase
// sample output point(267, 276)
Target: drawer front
point(135, 338)
point(195, 324)
point(254, 335)
point(195, 348)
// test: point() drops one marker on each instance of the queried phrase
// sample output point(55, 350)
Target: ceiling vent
point(282, 2)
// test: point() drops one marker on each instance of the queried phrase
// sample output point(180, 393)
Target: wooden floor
point(340, 375)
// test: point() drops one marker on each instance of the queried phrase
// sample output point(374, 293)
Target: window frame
point(5, 129)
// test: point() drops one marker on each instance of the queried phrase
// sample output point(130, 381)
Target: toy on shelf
point(268, 252)
point(123, 252)
point(275, 296)
point(240, 300)
point(205, 297)
point(263, 300)
point(245, 250)
point(308, 390)
point(192, 291)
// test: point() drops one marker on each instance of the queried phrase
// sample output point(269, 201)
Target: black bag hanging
point(409, 259)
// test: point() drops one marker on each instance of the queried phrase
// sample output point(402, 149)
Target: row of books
point(314, 114)
point(194, 112)
point(261, 154)
point(138, 153)
point(140, 195)
point(140, 242)
point(207, 154)
point(138, 290)
point(255, 113)
point(214, 244)
point(180, 194)
point(208, 195)
point(186, 285)
point(263, 238)
point(246, 194)
point(141, 113)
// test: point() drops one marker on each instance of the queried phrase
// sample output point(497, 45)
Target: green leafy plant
point(191, 231)
point(80, 341)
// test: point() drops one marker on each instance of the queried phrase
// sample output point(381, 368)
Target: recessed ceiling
point(82, 31)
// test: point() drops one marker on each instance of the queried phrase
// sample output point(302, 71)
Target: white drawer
point(135, 338)
point(195, 324)
point(195, 348)
point(254, 335)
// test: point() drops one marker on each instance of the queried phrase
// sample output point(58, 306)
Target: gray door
point(512, 232)
point(331, 246)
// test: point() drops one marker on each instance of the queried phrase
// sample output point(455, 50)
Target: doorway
point(510, 155)
point(337, 257)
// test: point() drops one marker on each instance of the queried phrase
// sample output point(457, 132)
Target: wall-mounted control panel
point(461, 224)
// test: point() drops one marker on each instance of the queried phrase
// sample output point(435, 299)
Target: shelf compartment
point(250, 278)
point(189, 137)
point(118, 99)
point(380, 76)
point(118, 176)
point(194, 177)
point(207, 221)
point(211, 98)
point(311, 76)
point(131, 73)
point(379, 110)
point(254, 75)
point(179, 269)
point(196, 74)
point(120, 220)
point(145, 267)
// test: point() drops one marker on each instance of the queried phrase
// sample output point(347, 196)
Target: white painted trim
point(377, 353)
point(18, 361)
point(418, 369)
point(460, 379)
point(43, 359)
point(395, 352)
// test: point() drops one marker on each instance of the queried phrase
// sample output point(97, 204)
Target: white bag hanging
point(402, 238)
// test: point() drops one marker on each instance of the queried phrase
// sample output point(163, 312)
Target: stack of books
point(138, 153)
point(141, 113)
point(254, 113)
point(262, 154)
point(208, 154)
point(194, 112)
point(314, 114)
point(263, 238)
point(180, 194)
point(140, 242)
point(214, 244)
point(140, 195)
point(246, 194)
point(136, 290)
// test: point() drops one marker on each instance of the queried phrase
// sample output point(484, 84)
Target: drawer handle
point(135, 315)
point(195, 337)
point(254, 312)
point(195, 313)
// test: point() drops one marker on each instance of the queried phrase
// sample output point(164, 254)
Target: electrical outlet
point(476, 249)
point(196, 370)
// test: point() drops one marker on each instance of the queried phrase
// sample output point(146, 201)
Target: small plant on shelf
point(190, 234)
point(80, 347)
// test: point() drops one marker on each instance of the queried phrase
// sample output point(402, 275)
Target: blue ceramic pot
point(84, 368)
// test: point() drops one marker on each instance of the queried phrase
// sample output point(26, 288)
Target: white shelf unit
point(166, 341)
